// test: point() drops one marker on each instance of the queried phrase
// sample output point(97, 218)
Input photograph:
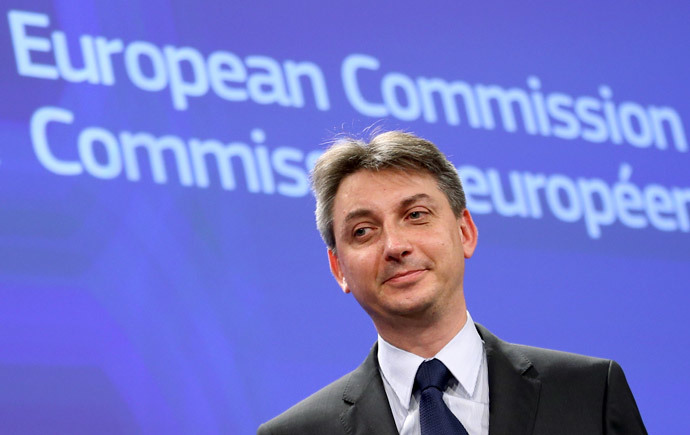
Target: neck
point(423, 337)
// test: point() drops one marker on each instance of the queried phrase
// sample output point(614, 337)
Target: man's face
point(400, 249)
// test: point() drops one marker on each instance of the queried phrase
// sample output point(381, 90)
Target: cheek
point(367, 266)
point(444, 247)
point(438, 241)
point(359, 267)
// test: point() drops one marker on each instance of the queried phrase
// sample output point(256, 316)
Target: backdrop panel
point(160, 270)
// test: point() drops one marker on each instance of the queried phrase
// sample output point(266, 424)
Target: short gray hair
point(389, 150)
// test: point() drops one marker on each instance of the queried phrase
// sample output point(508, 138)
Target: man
point(392, 213)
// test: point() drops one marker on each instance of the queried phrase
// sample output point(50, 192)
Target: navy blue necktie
point(434, 416)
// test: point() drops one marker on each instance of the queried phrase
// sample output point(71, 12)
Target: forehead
point(382, 190)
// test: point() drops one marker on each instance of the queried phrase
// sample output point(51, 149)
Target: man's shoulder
point(317, 413)
point(568, 391)
point(321, 412)
point(548, 363)
point(556, 363)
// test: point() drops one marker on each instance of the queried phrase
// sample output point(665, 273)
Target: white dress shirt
point(468, 398)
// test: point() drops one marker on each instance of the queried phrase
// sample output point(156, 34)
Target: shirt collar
point(462, 355)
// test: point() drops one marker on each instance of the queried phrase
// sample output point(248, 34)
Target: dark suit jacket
point(531, 391)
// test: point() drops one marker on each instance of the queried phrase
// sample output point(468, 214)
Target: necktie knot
point(432, 373)
point(434, 416)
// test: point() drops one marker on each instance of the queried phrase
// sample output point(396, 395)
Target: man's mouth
point(404, 277)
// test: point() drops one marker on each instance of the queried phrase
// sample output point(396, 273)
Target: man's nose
point(396, 244)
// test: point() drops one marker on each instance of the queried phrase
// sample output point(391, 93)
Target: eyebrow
point(358, 213)
point(414, 198)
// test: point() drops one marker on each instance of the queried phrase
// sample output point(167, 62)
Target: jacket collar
point(513, 387)
point(369, 412)
point(513, 393)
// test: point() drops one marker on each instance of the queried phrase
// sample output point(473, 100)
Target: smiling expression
point(400, 248)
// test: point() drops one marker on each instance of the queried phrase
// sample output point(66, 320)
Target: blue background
point(158, 308)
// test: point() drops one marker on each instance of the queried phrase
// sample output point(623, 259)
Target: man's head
point(389, 150)
point(392, 213)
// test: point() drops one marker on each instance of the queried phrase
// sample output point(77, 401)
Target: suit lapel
point(513, 393)
point(513, 387)
point(369, 411)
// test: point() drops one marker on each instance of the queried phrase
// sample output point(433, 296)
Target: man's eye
point(417, 214)
point(359, 232)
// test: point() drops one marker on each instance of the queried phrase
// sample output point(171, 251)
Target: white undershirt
point(468, 398)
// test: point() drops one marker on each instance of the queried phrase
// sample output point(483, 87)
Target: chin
point(411, 308)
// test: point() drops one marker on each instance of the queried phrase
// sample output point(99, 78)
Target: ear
point(468, 232)
point(337, 271)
